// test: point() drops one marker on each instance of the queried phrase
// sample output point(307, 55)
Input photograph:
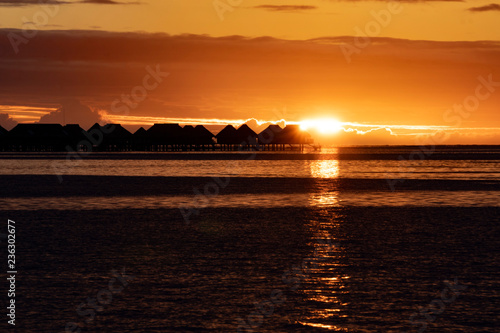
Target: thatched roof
point(293, 134)
point(246, 135)
point(188, 134)
point(74, 131)
point(166, 133)
point(140, 133)
point(196, 135)
point(270, 134)
point(228, 135)
point(201, 132)
point(112, 131)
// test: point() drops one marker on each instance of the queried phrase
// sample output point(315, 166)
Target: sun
point(324, 126)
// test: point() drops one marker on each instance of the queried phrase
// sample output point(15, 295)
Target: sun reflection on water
point(325, 195)
point(323, 291)
point(325, 199)
point(326, 282)
point(325, 169)
point(328, 327)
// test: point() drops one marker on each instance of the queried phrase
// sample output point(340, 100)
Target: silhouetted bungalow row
point(160, 137)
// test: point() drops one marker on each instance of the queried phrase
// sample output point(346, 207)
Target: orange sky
point(390, 72)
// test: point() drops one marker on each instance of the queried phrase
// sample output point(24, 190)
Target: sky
point(380, 72)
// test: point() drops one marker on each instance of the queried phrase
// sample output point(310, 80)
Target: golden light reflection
point(329, 327)
point(325, 283)
point(325, 169)
point(325, 199)
point(324, 195)
point(326, 287)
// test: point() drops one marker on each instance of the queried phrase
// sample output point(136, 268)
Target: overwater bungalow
point(292, 134)
point(160, 137)
point(165, 137)
point(37, 138)
point(196, 138)
point(110, 137)
point(188, 134)
point(246, 136)
point(227, 138)
point(268, 138)
point(291, 137)
point(230, 138)
point(76, 138)
point(3, 136)
point(202, 136)
point(227, 135)
point(140, 140)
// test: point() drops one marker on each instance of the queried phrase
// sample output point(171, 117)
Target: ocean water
point(353, 241)
point(331, 168)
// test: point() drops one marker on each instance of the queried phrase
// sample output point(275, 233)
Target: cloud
point(281, 8)
point(374, 136)
point(19, 3)
point(72, 112)
point(7, 122)
point(101, 2)
point(405, 1)
point(285, 8)
point(108, 2)
point(391, 81)
point(487, 8)
point(259, 126)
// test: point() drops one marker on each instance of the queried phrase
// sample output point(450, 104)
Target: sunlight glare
point(324, 126)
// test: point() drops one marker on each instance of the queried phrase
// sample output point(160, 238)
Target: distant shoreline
point(450, 152)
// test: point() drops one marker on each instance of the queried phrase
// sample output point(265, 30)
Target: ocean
point(354, 239)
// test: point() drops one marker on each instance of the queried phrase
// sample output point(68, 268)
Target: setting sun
point(324, 126)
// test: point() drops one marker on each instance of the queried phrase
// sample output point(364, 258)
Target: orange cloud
point(487, 8)
point(390, 82)
point(285, 8)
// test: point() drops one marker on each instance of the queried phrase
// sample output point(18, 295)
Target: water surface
point(316, 244)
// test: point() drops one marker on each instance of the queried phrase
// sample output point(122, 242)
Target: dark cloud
point(487, 8)
point(285, 8)
point(72, 112)
point(236, 77)
point(7, 122)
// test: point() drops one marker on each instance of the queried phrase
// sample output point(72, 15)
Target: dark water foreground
point(23, 186)
point(352, 269)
